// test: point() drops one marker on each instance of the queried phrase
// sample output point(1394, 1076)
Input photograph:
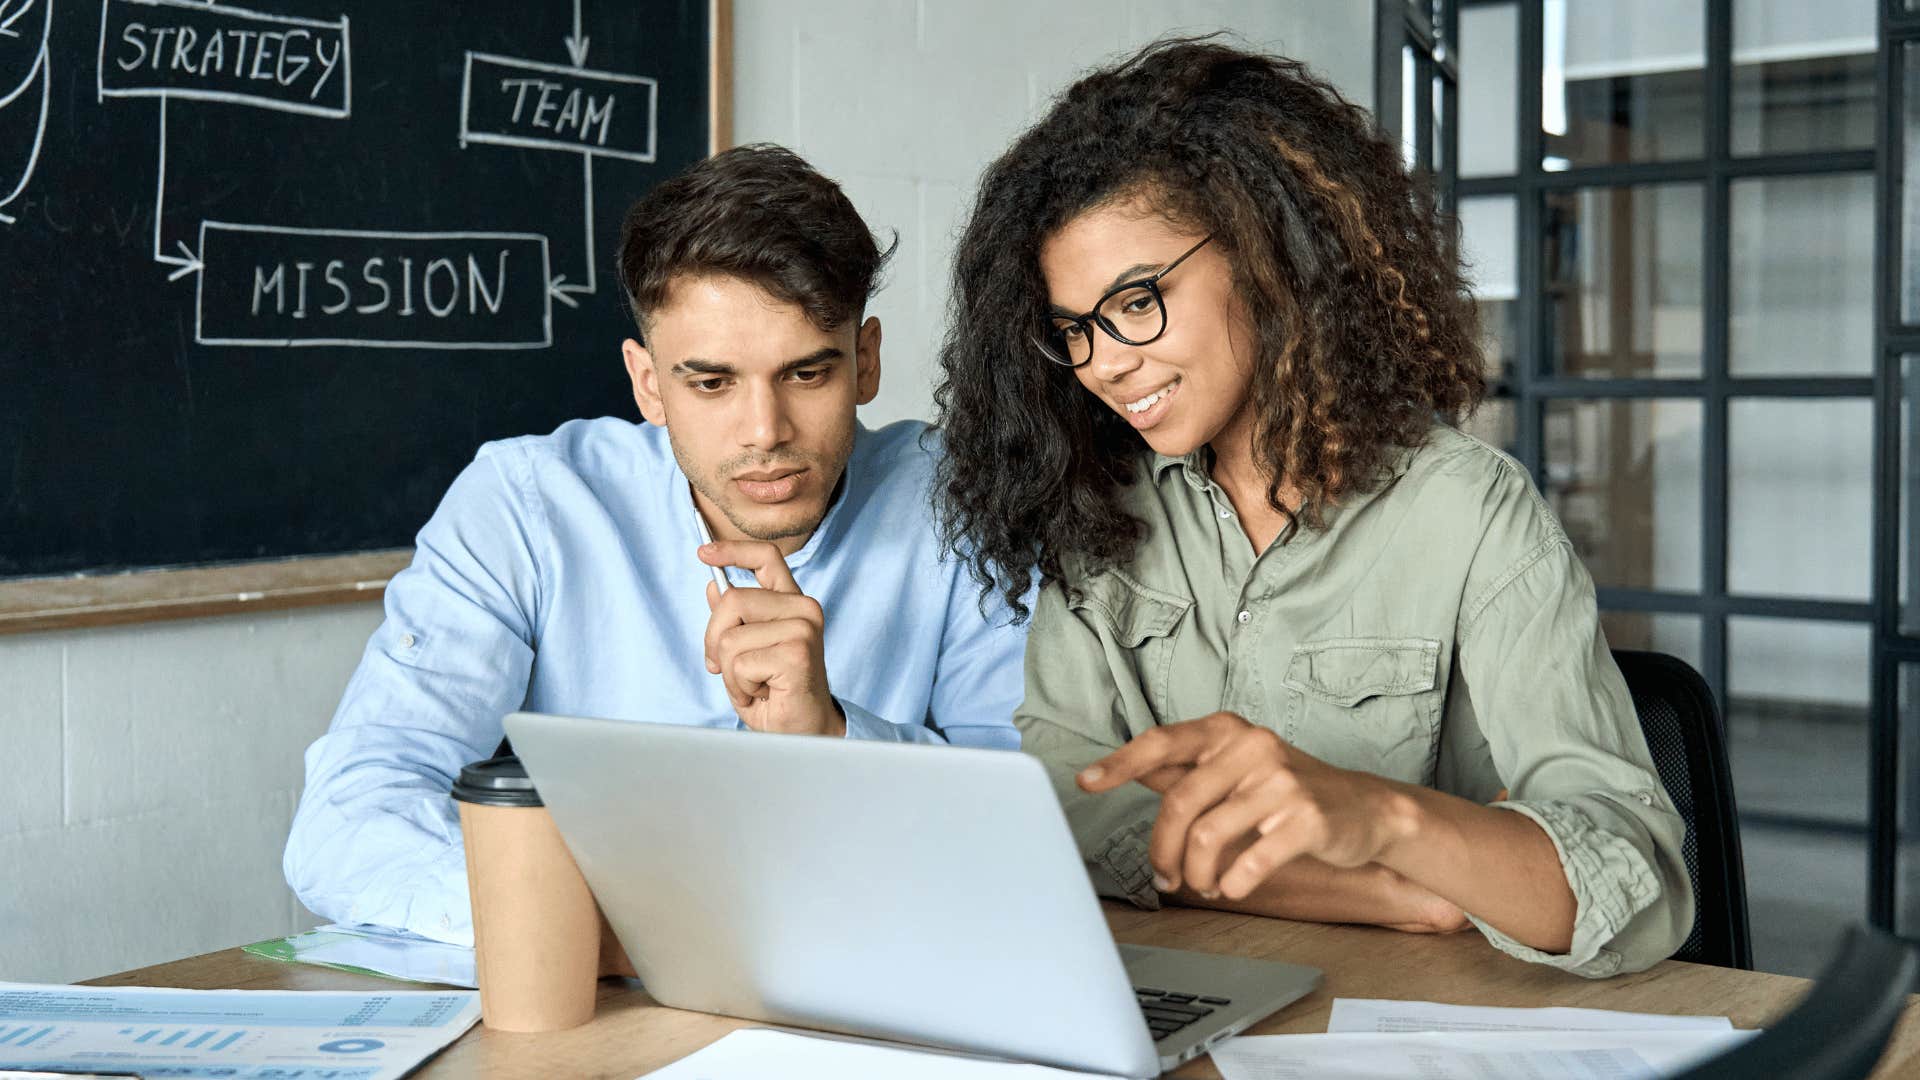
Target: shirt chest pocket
point(1138, 623)
point(1371, 704)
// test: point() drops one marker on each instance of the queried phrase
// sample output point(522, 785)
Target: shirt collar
point(1194, 463)
point(1199, 473)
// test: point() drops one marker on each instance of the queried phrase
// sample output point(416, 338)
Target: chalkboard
point(272, 273)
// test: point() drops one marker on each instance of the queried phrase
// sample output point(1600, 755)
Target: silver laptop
point(923, 894)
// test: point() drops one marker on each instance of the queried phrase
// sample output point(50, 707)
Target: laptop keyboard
point(1167, 1011)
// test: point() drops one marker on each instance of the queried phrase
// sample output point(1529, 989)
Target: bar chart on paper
point(209, 1039)
point(23, 1036)
point(228, 1034)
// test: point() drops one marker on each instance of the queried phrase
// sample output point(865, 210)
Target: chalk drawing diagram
point(278, 286)
point(25, 78)
point(506, 101)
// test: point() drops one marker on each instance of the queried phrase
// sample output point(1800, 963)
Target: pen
point(706, 537)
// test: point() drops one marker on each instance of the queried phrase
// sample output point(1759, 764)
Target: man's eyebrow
point(817, 356)
point(697, 366)
point(1131, 273)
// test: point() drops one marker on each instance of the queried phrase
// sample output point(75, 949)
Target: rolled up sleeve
point(1568, 746)
point(376, 838)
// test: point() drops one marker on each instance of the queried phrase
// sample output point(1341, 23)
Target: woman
point(1301, 647)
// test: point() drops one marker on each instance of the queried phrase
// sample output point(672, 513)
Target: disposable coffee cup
point(536, 929)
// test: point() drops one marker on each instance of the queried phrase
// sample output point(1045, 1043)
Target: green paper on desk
point(371, 951)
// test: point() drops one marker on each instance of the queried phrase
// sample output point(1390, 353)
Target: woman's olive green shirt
point(1439, 631)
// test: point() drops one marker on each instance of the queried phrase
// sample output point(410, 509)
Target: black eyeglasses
point(1131, 313)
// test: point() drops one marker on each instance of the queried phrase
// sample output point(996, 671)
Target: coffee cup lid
point(500, 781)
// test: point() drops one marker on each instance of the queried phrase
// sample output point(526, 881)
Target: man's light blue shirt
point(558, 575)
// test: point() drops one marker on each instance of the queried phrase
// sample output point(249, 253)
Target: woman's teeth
point(1149, 401)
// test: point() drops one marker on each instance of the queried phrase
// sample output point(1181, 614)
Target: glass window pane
point(1907, 812)
point(1623, 280)
point(1803, 889)
point(1793, 463)
point(1624, 477)
point(1409, 112)
point(1654, 631)
point(1622, 81)
point(1797, 738)
point(1797, 716)
point(1493, 423)
point(1489, 74)
point(1803, 75)
point(1910, 195)
point(1909, 473)
point(1490, 248)
point(1801, 281)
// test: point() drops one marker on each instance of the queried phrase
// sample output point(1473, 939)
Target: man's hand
point(767, 644)
point(1237, 803)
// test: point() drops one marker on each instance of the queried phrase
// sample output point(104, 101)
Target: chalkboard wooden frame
point(89, 599)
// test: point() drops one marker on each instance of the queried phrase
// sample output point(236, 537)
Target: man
point(564, 573)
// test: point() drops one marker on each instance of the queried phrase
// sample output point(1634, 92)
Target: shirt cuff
point(862, 724)
point(1611, 883)
point(437, 902)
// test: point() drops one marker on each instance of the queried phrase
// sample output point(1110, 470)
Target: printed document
point(758, 1053)
point(1377, 1015)
point(229, 1034)
point(1475, 1055)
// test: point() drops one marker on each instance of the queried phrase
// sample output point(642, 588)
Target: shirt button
point(1645, 799)
point(1224, 514)
point(406, 641)
point(1244, 616)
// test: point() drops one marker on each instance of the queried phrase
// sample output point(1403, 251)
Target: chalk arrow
point(559, 290)
point(7, 20)
point(576, 44)
point(189, 265)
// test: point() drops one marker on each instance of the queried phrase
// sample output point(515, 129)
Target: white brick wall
point(153, 770)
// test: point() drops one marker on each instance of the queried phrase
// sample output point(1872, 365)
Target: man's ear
point(646, 382)
point(866, 352)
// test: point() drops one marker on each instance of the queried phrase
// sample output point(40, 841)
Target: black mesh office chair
point(1689, 747)
point(1840, 1029)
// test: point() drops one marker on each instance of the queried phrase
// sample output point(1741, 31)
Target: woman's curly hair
point(1363, 330)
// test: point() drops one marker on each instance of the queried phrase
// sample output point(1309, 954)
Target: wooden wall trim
point(60, 603)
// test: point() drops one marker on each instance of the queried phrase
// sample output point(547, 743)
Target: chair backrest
point(1840, 1029)
point(1689, 747)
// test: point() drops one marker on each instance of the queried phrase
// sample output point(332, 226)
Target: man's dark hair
point(759, 213)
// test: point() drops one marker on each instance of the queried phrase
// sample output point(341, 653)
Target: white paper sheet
point(1380, 1015)
point(229, 1034)
point(759, 1053)
point(1509, 1055)
point(397, 955)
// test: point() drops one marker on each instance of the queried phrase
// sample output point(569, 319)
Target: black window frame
point(1528, 386)
point(1429, 28)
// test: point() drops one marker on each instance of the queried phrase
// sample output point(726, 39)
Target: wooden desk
point(631, 1035)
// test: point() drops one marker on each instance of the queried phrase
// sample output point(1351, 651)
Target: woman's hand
point(1229, 786)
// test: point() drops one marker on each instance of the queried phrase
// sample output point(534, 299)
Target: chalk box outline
point(231, 96)
point(546, 289)
point(467, 134)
